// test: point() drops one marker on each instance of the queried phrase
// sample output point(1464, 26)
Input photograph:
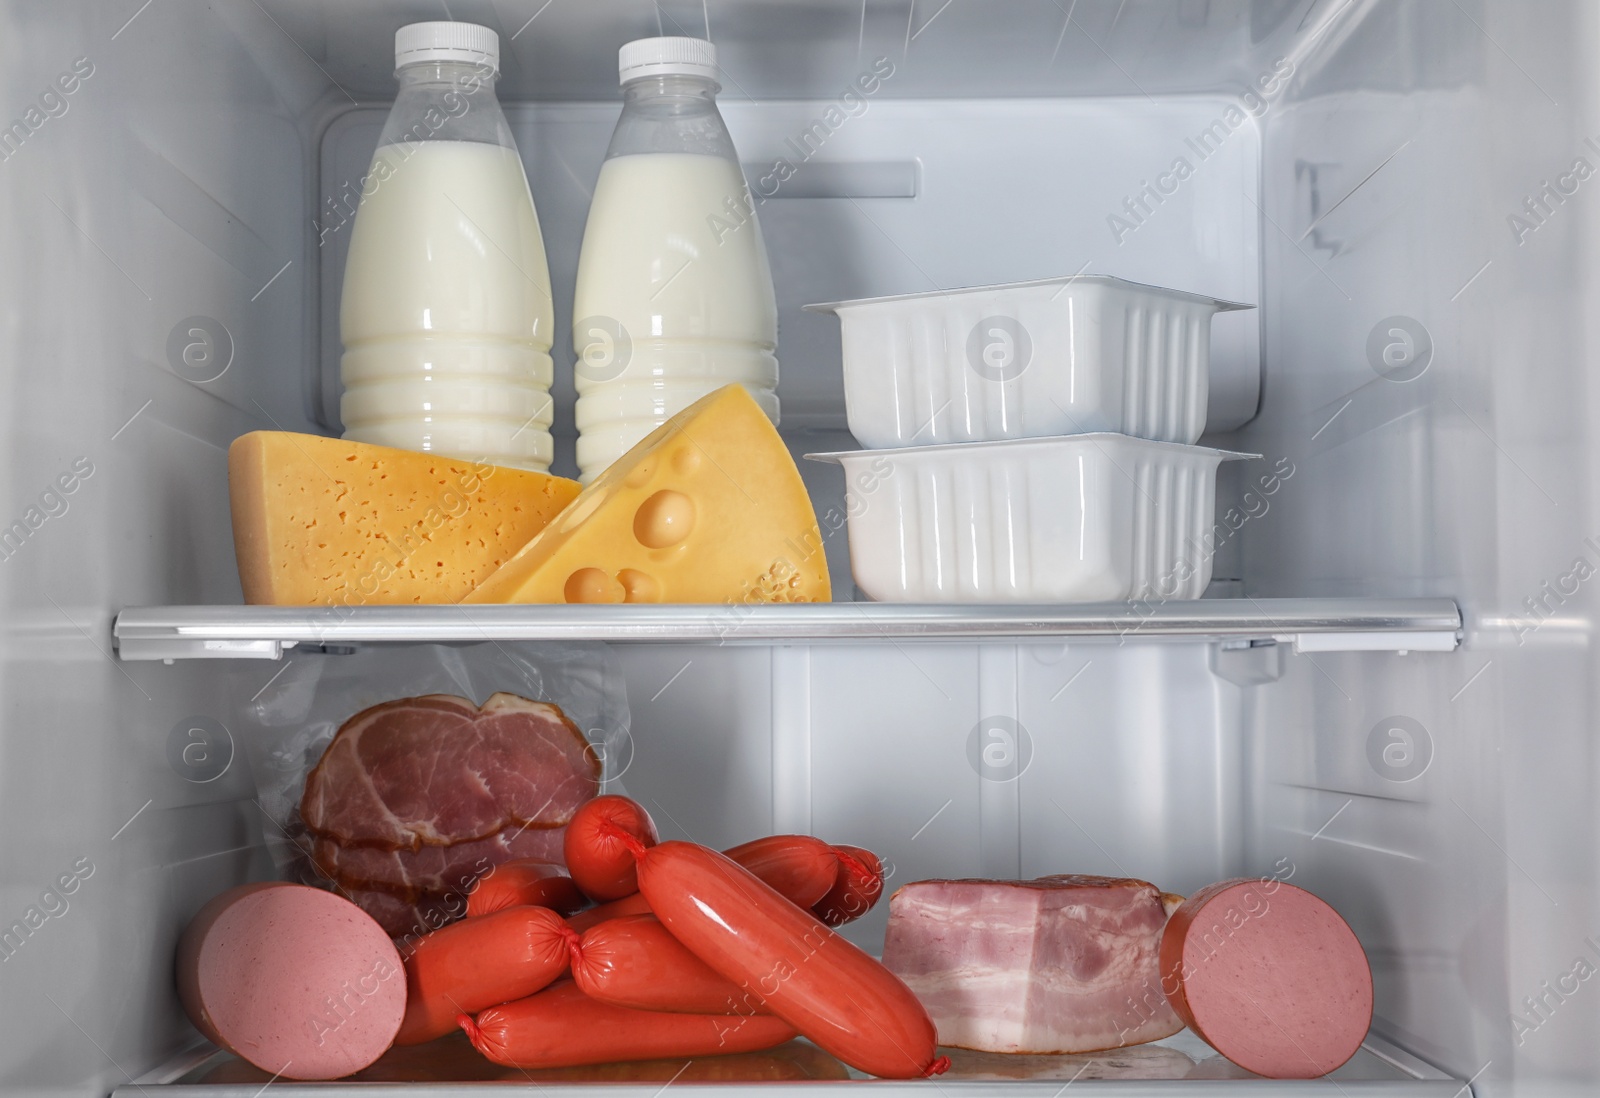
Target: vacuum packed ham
point(407, 920)
point(416, 800)
point(438, 770)
point(432, 870)
point(1059, 964)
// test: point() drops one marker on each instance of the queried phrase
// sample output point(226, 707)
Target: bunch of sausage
point(690, 952)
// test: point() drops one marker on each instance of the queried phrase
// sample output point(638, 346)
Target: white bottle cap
point(667, 57)
point(446, 42)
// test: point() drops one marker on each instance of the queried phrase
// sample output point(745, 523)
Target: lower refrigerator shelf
point(1179, 1066)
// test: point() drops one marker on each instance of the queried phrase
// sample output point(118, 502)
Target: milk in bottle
point(674, 295)
point(446, 314)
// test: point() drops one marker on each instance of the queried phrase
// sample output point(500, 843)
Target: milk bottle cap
point(444, 41)
point(667, 57)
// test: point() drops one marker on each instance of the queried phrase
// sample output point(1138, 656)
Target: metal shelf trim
point(264, 632)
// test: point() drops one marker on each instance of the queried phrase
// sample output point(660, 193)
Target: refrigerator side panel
point(1430, 294)
point(152, 190)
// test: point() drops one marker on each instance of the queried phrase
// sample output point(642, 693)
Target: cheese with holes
point(326, 522)
point(709, 508)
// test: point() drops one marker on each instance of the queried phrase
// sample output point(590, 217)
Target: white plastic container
point(1086, 518)
point(1060, 356)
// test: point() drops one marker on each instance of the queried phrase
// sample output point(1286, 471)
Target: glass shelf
point(1178, 1066)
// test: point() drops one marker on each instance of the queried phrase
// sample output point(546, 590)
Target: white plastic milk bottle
point(446, 317)
point(674, 295)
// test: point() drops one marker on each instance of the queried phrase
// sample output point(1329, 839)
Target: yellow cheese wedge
point(708, 508)
point(324, 522)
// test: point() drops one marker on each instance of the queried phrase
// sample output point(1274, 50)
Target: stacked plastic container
point(1030, 442)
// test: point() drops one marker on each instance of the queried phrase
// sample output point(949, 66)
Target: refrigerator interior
point(1395, 183)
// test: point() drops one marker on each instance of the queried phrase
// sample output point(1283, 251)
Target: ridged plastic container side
point(1078, 519)
point(1173, 507)
point(1166, 367)
point(1036, 360)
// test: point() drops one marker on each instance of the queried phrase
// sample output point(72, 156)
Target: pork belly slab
point(1058, 964)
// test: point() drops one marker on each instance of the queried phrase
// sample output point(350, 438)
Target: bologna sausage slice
point(298, 981)
point(1268, 975)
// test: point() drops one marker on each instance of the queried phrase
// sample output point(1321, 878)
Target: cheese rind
point(709, 508)
point(327, 522)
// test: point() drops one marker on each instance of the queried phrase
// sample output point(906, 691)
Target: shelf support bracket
point(1375, 642)
point(168, 649)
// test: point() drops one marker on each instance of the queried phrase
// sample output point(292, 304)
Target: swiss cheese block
point(709, 508)
point(325, 522)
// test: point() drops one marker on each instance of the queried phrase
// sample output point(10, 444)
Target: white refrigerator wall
point(158, 222)
point(948, 760)
point(1444, 803)
point(169, 182)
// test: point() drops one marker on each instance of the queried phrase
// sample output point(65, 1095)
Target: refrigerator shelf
point(1312, 625)
point(1181, 1066)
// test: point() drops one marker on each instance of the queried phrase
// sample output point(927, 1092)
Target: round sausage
point(525, 882)
point(634, 962)
point(562, 1027)
point(856, 887)
point(478, 963)
point(300, 982)
point(829, 990)
point(599, 863)
point(1268, 975)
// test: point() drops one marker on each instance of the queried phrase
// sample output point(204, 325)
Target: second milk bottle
point(674, 295)
point(446, 318)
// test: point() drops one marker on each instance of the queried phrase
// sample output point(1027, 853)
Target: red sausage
point(598, 861)
point(562, 1027)
point(480, 963)
point(298, 981)
point(526, 882)
point(634, 962)
point(1269, 976)
point(616, 909)
point(829, 990)
point(799, 866)
point(855, 889)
